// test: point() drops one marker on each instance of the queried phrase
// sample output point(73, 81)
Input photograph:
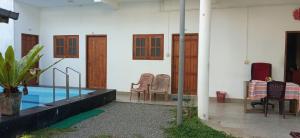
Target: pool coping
point(43, 116)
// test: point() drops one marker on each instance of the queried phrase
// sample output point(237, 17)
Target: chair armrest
point(132, 84)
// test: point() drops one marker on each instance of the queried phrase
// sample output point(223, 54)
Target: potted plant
point(14, 73)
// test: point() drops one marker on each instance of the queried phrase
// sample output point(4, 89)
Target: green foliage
point(190, 109)
point(102, 136)
point(192, 127)
point(14, 72)
point(47, 133)
point(110, 136)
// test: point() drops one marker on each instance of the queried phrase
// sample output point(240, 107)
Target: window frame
point(66, 46)
point(148, 47)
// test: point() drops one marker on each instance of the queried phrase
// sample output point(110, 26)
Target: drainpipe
point(181, 62)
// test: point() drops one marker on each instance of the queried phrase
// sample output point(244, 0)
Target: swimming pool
point(39, 96)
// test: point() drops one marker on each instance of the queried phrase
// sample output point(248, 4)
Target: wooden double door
point(28, 41)
point(96, 61)
point(190, 64)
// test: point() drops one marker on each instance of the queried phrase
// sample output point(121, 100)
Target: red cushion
point(259, 71)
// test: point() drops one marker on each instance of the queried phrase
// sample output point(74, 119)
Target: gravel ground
point(125, 120)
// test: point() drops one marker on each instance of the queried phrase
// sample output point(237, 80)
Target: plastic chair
point(160, 85)
point(275, 91)
point(143, 85)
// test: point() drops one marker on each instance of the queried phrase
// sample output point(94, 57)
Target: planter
point(10, 104)
point(221, 96)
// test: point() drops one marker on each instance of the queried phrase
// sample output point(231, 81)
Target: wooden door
point(190, 65)
point(96, 62)
point(28, 42)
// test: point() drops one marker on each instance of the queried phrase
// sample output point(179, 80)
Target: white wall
point(266, 43)
point(28, 23)
point(6, 30)
point(231, 32)
point(119, 26)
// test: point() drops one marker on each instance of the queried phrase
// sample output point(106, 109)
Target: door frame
point(22, 34)
point(285, 52)
point(86, 57)
point(173, 36)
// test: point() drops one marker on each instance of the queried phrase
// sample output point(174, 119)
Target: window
point(66, 46)
point(148, 47)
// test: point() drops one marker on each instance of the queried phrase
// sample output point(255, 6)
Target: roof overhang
point(6, 14)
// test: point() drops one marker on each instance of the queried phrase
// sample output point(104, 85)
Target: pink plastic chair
point(160, 85)
point(143, 85)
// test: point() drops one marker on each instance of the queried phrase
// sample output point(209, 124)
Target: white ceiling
point(216, 3)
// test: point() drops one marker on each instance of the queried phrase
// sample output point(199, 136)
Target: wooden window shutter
point(148, 47)
point(66, 46)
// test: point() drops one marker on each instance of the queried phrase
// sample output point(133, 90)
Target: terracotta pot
point(10, 104)
point(221, 96)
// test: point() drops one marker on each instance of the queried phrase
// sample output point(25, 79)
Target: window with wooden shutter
point(148, 47)
point(156, 47)
point(139, 47)
point(66, 46)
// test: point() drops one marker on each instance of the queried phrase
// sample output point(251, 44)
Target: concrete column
point(203, 59)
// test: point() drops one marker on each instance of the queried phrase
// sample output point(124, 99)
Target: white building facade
point(240, 33)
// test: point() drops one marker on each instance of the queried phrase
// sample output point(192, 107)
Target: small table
point(256, 90)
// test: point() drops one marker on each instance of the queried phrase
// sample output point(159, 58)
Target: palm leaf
point(2, 77)
point(13, 72)
point(28, 62)
point(42, 71)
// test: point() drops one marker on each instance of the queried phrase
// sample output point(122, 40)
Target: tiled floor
point(230, 117)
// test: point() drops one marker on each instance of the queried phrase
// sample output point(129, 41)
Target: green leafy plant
point(14, 73)
point(102, 136)
point(47, 133)
point(192, 126)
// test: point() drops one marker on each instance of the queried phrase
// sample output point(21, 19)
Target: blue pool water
point(38, 96)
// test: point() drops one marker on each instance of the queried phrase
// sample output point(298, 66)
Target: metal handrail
point(79, 83)
point(67, 84)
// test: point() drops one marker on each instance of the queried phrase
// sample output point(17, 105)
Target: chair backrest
point(296, 76)
point(145, 80)
point(259, 71)
point(276, 90)
point(161, 82)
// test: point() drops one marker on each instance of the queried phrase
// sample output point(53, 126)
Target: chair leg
point(282, 109)
point(273, 106)
point(144, 96)
point(139, 95)
point(130, 95)
point(283, 112)
point(166, 97)
point(266, 107)
point(150, 96)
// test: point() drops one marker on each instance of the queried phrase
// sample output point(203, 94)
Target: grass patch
point(192, 127)
point(102, 136)
point(110, 136)
point(47, 133)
